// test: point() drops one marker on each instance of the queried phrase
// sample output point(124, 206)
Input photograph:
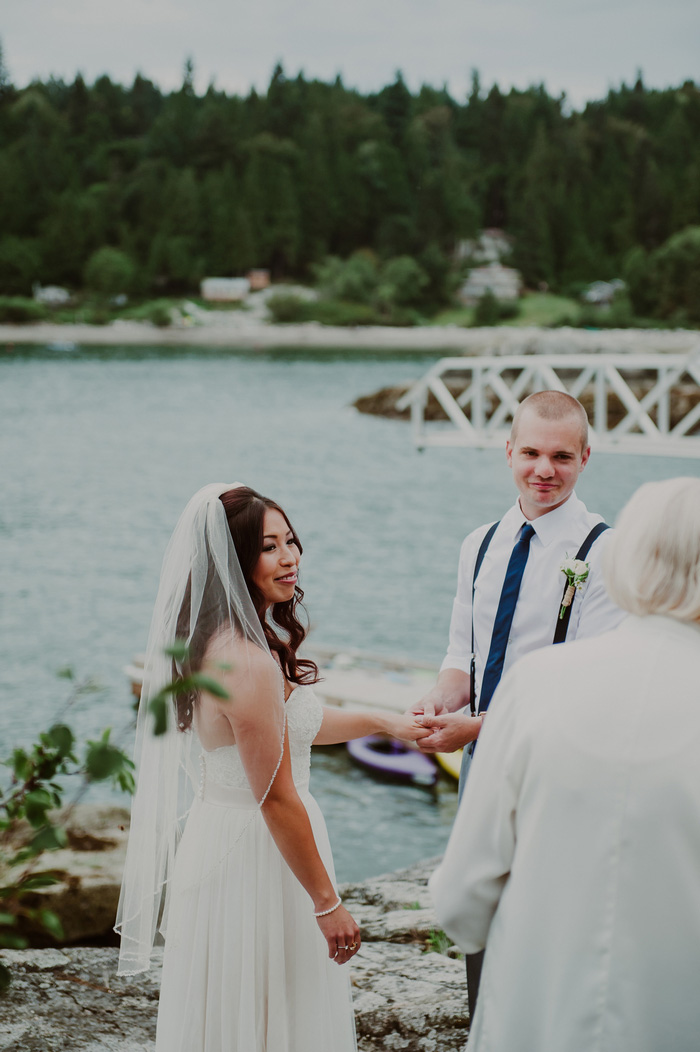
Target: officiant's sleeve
point(468, 884)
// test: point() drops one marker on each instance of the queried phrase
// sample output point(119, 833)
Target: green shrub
point(157, 312)
point(575, 289)
point(353, 280)
point(443, 278)
point(490, 311)
point(109, 272)
point(619, 315)
point(401, 283)
point(20, 310)
point(438, 942)
point(31, 792)
point(638, 276)
point(334, 312)
point(508, 309)
point(97, 315)
point(402, 317)
point(665, 283)
point(387, 293)
point(676, 274)
point(285, 307)
point(20, 264)
point(486, 311)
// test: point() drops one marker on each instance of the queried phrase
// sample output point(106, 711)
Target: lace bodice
point(304, 717)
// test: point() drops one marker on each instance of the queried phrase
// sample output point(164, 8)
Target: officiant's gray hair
point(652, 563)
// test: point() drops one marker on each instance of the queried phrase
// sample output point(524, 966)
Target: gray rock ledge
point(406, 999)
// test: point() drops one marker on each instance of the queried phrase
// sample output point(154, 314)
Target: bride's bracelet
point(324, 913)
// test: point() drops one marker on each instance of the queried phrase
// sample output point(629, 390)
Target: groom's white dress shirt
point(558, 534)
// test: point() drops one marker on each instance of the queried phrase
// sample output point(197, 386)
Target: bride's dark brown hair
point(245, 513)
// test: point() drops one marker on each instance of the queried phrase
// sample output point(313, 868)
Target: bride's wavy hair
point(245, 514)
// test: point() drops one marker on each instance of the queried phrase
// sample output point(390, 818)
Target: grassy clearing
point(229, 305)
point(462, 316)
point(536, 308)
point(545, 308)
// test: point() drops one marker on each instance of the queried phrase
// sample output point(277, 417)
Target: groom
point(510, 586)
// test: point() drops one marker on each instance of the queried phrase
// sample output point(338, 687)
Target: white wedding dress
point(246, 968)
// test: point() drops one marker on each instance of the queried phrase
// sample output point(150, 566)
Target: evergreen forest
point(187, 185)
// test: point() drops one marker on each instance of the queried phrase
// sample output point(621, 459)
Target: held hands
point(438, 712)
point(341, 933)
point(449, 731)
point(432, 704)
point(407, 727)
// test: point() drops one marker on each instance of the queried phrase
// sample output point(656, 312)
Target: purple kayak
point(393, 759)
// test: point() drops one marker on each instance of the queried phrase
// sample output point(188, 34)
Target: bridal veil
point(203, 604)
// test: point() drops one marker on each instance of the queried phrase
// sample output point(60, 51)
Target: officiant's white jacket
point(575, 856)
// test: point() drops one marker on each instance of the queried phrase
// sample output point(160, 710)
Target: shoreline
point(227, 330)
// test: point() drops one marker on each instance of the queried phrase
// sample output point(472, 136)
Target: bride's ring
point(352, 946)
point(345, 947)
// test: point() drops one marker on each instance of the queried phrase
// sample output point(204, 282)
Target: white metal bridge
point(636, 403)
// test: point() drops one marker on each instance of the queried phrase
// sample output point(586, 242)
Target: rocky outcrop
point(71, 1001)
point(90, 873)
point(407, 999)
point(684, 397)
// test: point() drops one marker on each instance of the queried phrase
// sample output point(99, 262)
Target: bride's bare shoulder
point(237, 660)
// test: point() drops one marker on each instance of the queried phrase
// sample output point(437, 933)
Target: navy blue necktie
point(504, 616)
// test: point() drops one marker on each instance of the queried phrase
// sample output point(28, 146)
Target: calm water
point(101, 449)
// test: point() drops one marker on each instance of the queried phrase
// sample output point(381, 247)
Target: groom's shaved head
point(552, 405)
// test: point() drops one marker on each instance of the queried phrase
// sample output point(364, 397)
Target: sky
point(580, 48)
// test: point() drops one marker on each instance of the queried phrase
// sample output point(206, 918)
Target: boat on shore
point(451, 762)
point(390, 758)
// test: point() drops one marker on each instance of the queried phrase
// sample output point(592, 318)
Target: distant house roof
point(491, 246)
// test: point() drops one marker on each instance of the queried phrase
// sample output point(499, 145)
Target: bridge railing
point(637, 403)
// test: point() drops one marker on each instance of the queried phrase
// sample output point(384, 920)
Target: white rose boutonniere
point(576, 573)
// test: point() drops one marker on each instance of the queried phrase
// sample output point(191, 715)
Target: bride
point(228, 857)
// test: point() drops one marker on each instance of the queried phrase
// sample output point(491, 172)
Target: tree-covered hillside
point(189, 185)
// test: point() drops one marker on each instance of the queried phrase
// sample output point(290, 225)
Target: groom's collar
point(548, 527)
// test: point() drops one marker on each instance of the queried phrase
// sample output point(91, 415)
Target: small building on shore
point(258, 279)
point(51, 295)
point(602, 293)
point(502, 282)
point(224, 290)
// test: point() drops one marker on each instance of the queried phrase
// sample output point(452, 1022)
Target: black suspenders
point(562, 623)
point(477, 566)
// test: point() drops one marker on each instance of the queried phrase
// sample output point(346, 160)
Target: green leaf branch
point(29, 827)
